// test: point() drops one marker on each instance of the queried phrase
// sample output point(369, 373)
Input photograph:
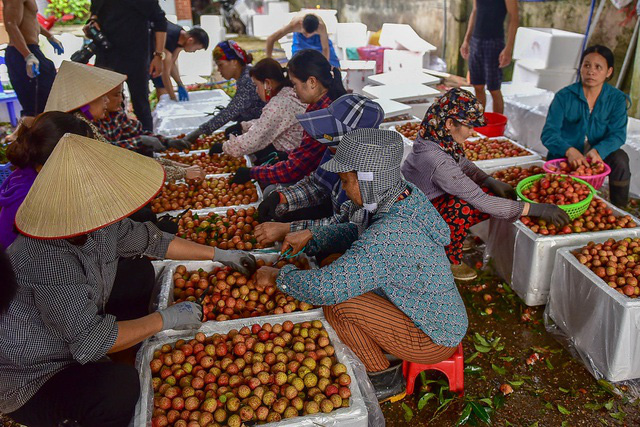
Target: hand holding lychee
point(266, 276)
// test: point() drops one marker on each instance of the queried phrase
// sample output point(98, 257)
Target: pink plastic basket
point(595, 180)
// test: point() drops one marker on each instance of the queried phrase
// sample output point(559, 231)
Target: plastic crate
point(373, 53)
point(595, 180)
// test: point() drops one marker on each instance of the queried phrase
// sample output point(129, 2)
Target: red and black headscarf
point(459, 105)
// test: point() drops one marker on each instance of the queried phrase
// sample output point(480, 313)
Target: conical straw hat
point(77, 84)
point(86, 185)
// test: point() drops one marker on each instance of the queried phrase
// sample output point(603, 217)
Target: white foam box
point(356, 415)
point(550, 79)
point(395, 77)
point(357, 73)
point(401, 92)
point(402, 60)
point(277, 7)
point(351, 34)
point(392, 108)
point(526, 259)
point(601, 324)
point(548, 47)
point(402, 36)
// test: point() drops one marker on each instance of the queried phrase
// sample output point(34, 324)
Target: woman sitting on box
point(437, 165)
point(587, 121)
point(71, 309)
point(387, 293)
point(233, 62)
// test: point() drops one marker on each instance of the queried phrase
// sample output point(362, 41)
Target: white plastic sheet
point(173, 118)
point(526, 259)
point(602, 325)
point(364, 409)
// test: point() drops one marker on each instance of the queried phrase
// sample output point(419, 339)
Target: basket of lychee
point(255, 375)
point(594, 174)
point(571, 194)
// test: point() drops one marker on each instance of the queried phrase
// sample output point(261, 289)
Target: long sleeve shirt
point(301, 162)
point(276, 125)
point(569, 121)
point(123, 131)
point(57, 317)
point(244, 106)
point(413, 273)
point(435, 172)
point(318, 188)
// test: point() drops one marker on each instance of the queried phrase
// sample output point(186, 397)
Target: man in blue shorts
point(484, 46)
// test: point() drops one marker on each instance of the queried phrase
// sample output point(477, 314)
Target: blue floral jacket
point(400, 256)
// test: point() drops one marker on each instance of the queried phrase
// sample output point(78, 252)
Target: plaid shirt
point(314, 190)
point(123, 131)
point(57, 317)
point(301, 162)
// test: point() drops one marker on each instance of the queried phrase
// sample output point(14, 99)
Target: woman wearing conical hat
point(67, 314)
point(82, 90)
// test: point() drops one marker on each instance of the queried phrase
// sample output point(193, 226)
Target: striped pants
point(371, 326)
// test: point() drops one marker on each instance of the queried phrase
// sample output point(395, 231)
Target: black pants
point(101, 394)
point(619, 178)
point(137, 71)
point(32, 93)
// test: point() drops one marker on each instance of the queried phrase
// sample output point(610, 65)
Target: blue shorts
point(157, 82)
point(484, 63)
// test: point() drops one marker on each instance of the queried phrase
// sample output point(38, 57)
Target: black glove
point(550, 213)
point(215, 149)
point(283, 156)
point(267, 209)
point(233, 130)
point(192, 136)
point(242, 175)
point(152, 142)
point(500, 189)
point(178, 144)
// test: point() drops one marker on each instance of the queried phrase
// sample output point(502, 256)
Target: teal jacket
point(569, 121)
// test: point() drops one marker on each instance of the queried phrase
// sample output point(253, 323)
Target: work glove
point(550, 213)
point(192, 136)
point(215, 149)
point(241, 176)
point(267, 209)
point(33, 66)
point(57, 46)
point(500, 189)
point(182, 315)
point(179, 144)
point(233, 130)
point(183, 94)
point(152, 142)
point(242, 262)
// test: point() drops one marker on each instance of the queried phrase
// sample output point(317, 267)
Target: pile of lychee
point(255, 375)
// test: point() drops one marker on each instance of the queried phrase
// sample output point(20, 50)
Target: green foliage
point(77, 8)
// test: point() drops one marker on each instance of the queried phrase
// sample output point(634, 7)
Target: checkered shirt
point(301, 162)
point(57, 317)
point(123, 131)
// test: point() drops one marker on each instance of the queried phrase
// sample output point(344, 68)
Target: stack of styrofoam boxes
point(350, 35)
point(277, 17)
point(197, 64)
point(356, 74)
point(546, 58)
point(408, 49)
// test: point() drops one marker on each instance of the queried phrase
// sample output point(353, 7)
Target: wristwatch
point(162, 54)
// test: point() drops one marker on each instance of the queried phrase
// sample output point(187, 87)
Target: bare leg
point(480, 94)
point(498, 102)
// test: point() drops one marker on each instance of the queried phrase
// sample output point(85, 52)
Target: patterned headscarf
point(229, 50)
point(457, 104)
point(375, 155)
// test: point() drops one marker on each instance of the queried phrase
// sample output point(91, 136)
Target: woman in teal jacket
point(588, 119)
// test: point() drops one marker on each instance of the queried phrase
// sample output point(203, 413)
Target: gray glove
point(550, 213)
point(182, 315)
point(152, 142)
point(240, 261)
point(500, 189)
point(192, 136)
point(179, 144)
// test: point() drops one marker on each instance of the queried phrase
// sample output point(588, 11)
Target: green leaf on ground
point(516, 384)
point(482, 348)
point(472, 369)
point(480, 339)
point(548, 363)
point(424, 399)
point(499, 370)
point(472, 357)
point(506, 358)
point(564, 390)
point(563, 410)
point(498, 401)
point(618, 416)
point(593, 406)
point(608, 405)
point(480, 412)
point(465, 415)
point(408, 413)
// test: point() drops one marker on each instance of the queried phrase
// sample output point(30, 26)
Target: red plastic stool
point(453, 368)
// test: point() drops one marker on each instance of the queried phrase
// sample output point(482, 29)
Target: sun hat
point(347, 113)
point(375, 155)
point(77, 84)
point(86, 185)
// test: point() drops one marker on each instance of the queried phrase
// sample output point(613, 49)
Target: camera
point(98, 41)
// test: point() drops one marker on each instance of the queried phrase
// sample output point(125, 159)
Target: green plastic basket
point(574, 210)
